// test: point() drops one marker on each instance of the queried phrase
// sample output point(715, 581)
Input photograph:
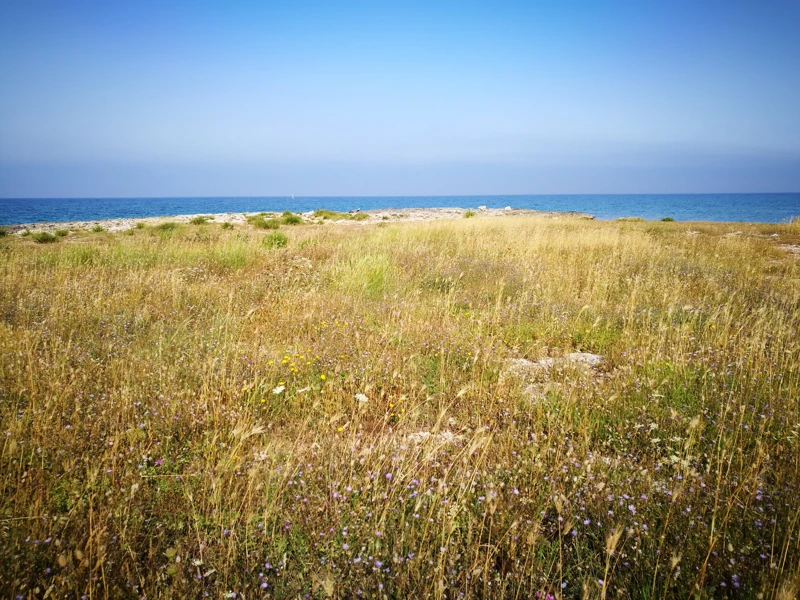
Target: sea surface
point(762, 208)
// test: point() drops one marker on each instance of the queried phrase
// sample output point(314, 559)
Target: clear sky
point(373, 98)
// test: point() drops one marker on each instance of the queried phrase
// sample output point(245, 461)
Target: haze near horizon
point(201, 99)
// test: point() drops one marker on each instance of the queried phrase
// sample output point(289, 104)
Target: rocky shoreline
point(239, 218)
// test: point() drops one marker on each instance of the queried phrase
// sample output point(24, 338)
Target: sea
point(758, 208)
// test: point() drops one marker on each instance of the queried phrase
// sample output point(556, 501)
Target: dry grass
point(179, 412)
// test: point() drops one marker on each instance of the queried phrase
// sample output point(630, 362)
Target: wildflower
point(322, 377)
point(278, 390)
point(362, 398)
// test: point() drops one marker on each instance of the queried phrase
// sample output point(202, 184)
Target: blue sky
point(258, 98)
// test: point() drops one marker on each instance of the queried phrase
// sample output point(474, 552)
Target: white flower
point(361, 398)
point(278, 389)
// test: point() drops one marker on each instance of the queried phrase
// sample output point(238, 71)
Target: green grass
point(331, 215)
point(97, 228)
point(291, 219)
point(43, 237)
point(469, 214)
point(259, 222)
point(62, 232)
point(228, 404)
point(200, 220)
point(276, 240)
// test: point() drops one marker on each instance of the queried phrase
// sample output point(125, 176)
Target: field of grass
point(191, 411)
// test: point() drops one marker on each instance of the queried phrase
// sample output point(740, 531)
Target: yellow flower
point(281, 383)
point(322, 377)
point(339, 430)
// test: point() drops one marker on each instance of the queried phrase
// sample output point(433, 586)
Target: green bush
point(98, 228)
point(140, 225)
point(276, 240)
point(168, 226)
point(469, 214)
point(25, 233)
point(200, 220)
point(291, 219)
point(3, 232)
point(668, 220)
point(43, 237)
point(262, 223)
point(360, 217)
point(62, 232)
point(227, 225)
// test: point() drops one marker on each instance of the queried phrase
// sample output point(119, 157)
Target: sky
point(116, 99)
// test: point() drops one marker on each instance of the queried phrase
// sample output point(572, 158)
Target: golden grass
point(179, 412)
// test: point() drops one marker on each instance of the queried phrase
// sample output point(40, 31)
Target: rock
point(443, 437)
point(507, 208)
point(531, 371)
point(585, 358)
point(481, 208)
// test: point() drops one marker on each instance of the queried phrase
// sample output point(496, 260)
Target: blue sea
point(761, 208)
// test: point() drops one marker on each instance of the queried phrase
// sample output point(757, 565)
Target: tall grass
point(192, 414)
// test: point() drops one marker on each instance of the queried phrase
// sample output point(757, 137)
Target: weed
point(341, 418)
point(276, 240)
point(97, 228)
point(261, 223)
point(227, 225)
point(43, 237)
point(62, 232)
point(292, 219)
point(200, 220)
point(469, 214)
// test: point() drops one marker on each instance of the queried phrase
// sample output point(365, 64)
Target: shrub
point(291, 219)
point(140, 225)
point(43, 237)
point(287, 213)
point(668, 220)
point(168, 226)
point(98, 228)
point(469, 214)
point(333, 215)
point(25, 233)
point(262, 223)
point(199, 220)
point(276, 240)
point(3, 232)
point(227, 225)
point(62, 232)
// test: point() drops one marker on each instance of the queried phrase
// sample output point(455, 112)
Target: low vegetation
point(44, 237)
point(331, 215)
point(213, 413)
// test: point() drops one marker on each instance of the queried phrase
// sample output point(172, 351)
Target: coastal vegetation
point(339, 411)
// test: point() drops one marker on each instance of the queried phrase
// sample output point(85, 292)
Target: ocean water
point(761, 208)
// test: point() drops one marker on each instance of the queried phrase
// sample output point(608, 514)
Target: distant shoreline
point(240, 218)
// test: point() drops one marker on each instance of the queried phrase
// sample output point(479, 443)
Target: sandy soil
point(374, 216)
